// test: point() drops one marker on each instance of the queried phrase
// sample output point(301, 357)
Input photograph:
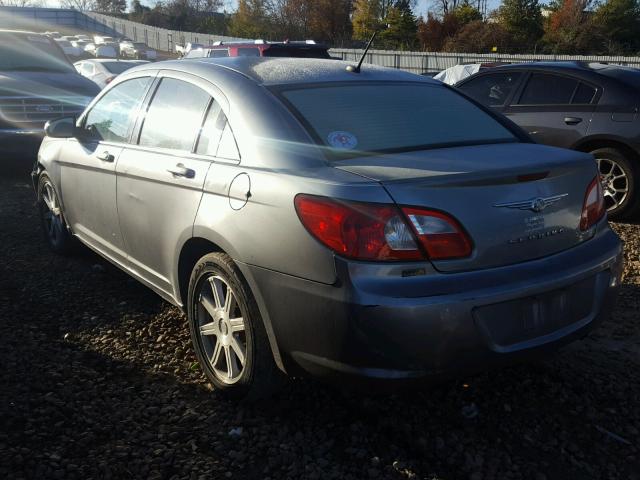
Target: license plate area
point(516, 324)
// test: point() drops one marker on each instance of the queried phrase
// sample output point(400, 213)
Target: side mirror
point(61, 128)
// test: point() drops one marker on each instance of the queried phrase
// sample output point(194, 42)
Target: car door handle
point(572, 120)
point(181, 171)
point(106, 157)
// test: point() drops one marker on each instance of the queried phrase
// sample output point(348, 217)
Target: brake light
point(108, 80)
point(440, 234)
point(364, 231)
point(593, 207)
point(374, 231)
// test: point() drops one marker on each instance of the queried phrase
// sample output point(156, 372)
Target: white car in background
point(137, 50)
point(101, 51)
point(68, 49)
point(104, 71)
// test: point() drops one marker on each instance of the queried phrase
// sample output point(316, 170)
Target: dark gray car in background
point(590, 107)
point(312, 220)
point(37, 84)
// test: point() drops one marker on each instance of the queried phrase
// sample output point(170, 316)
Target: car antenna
point(356, 69)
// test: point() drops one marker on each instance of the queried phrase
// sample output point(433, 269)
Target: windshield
point(357, 118)
point(139, 45)
point(30, 52)
point(119, 67)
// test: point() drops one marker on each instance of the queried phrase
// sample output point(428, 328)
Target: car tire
point(620, 182)
point(227, 331)
point(54, 226)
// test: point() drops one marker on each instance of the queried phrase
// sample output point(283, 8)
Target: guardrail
point(431, 62)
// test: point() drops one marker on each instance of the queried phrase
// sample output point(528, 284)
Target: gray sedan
point(313, 219)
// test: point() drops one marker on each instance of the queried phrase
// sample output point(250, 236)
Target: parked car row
point(259, 48)
point(81, 46)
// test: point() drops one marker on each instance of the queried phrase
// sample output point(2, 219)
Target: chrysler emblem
point(537, 204)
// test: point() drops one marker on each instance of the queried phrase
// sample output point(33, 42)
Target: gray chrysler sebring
point(316, 219)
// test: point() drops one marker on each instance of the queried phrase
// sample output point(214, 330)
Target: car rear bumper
point(376, 324)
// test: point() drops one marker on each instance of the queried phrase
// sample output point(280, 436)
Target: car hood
point(46, 84)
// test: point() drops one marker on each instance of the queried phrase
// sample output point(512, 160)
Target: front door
point(88, 165)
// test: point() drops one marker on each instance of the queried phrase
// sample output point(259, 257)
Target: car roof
point(277, 71)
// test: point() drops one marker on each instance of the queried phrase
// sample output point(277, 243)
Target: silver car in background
point(311, 219)
point(103, 71)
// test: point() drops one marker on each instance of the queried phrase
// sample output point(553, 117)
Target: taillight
point(110, 79)
point(440, 234)
point(373, 231)
point(364, 231)
point(593, 207)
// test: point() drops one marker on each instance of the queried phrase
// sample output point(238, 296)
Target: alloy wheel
point(54, 223)
point(615, 183)
point(222, 329)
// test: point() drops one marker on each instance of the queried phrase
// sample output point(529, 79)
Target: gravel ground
point(97, 380)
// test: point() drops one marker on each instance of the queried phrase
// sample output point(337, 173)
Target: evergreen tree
point(365, 18)
point(522, 20)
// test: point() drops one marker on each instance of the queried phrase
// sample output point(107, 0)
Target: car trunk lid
point(517, 202)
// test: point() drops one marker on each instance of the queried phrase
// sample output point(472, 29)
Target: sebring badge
point(534, 204)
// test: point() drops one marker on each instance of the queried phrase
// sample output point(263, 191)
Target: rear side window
point(584, 94)
point(219, 53)
point(388, 117)
point(493, 89)
point(113, 115)
point(248, 52)
point(546, 89)
point(174, 115)
point(211, 130)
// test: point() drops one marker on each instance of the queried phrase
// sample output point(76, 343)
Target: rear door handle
point(106, 157)
point(572, 120)
point(181, 171)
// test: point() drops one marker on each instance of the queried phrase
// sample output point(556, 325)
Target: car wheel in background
point(54, 226)
point(619, 179)
point(227, 331)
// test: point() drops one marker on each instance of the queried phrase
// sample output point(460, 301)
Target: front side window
point(113, 115)
point(492, 89)
point(546, 89)
point(391, 117)
point(174, 115)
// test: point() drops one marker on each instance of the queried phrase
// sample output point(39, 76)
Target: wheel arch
point(592, 143)
point(192, 251)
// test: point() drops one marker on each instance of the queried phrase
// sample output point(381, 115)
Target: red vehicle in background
point(261, 48)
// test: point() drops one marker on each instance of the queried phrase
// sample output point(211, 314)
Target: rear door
point(88, 165)
point(160, 179)
point(554, 109)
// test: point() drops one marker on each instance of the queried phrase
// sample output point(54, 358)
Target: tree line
point(597, 27)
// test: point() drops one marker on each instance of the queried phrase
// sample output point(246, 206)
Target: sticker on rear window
point(343, 140)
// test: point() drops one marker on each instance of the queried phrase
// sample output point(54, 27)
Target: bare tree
point(81, 5)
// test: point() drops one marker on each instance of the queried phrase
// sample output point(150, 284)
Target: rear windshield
point(357, 118)
point(119, 67)
point(628, 75)
point(31, 52)
point(296, 52)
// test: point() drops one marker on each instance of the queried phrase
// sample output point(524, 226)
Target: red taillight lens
point(108, 80)
point(593, 207)
point(440, 234)
point(364, 231)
